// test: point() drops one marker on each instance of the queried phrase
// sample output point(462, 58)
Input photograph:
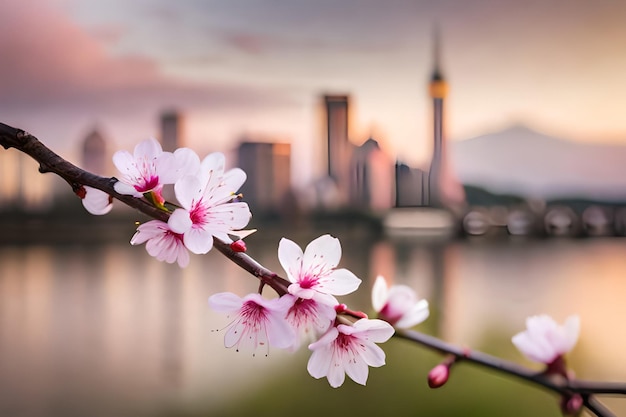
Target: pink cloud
point(44, 51)
point(247, 42)
point(47, 59)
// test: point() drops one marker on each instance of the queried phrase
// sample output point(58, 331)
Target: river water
point(102, 329)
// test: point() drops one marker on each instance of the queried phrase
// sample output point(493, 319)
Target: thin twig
point(596, 407)
point(561, 385)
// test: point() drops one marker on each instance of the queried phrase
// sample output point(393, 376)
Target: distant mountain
point(521, 161)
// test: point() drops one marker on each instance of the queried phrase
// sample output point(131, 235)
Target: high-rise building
point(172, 130)
point(339, 148)
point(411, 186)
point(268, 166)
point(94, 153)
point(371, 177)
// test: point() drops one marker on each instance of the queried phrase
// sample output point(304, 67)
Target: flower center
point(345, 342)
point(308, 282)
point(149, 183)
point(198, 215)
point(301, 311)
point(389, 314)
point(252, 315)
point(178, 236)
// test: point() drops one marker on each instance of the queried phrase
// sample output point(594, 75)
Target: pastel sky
point(252, 67)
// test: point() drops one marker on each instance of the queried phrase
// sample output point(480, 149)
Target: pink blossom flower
point(544, 340)
point(349, 350)
point(208, 206)
point(312, 273)
point(96, 201)
point(398, 304)
point(149, 168)
point(258, 322)
point(162, 243)
point(309, 318)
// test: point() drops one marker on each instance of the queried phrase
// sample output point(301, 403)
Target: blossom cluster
point(208, 206)
point(310, 311)
point(343, 342)
point(207, 203)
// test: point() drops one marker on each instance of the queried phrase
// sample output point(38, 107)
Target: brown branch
point(595, 406)
point(594, 387)
point(49, 161)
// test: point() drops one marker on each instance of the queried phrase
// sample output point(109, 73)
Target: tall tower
point(268, 166)
point(95, 155)
point(438, 90)
point(338, 146)
point(171, 130)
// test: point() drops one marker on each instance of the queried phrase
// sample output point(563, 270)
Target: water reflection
point(104, 329)
point(480, 287)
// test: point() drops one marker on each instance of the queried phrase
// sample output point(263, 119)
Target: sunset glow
point(261, 69)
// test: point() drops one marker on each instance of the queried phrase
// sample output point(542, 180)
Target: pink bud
point(340, 308)
point(570, 406)
point(438, 376)
point(238, 246)
point(343, 309)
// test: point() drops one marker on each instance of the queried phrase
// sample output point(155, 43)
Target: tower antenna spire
point(437, 75)
point(438, 89)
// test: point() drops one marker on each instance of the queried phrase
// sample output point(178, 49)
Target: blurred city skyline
point(260, 68)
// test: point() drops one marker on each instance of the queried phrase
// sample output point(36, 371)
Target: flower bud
point(81, 192)
point(438, 376)
point(343, 309)
point(571, 405)
point(238, 246)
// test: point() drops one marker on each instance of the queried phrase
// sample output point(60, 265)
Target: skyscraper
point(371, 177)
point(339, 149)
point(411, 186)
point(171, 130)
point(268, 166)
point(95, 157)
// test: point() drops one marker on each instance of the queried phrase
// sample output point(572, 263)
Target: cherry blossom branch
point(76, 177)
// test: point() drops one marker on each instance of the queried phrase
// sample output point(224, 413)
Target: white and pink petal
point(96, 201)
point(338, 282)
point(198, 240)
point(321, 256)
point(416, 315)
point(378, 331)
point(358, 369)
point(180, 221)
point(290, 257)
point(380, 293)
point(189, 191)
point(227, 217)
point(225, 302)
point(148, 149)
